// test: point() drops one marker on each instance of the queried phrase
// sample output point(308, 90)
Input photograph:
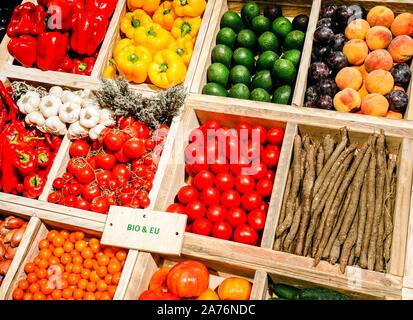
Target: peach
point(401, 48)
point(378, 59)
point(349, 77)
point(398, 88)
point(357, 29)
point(380, 16)
point(378, 37)
point(356, 51)
point(347, 100)
point(375, 104)
point(363, 91)
point(363, 71)
point(403, 25)
point(394, 115)
point(379, 81)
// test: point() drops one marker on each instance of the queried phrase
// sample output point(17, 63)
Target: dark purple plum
point(328, 11)
point(329, 23)
point(337, 61)
point(358, 12)
point(310, 104)
point(339, 41)
point(320, 53)
point(398, 101)
point(401, 74)
point(319, 71)
point(327, 87)
point(325, 102)
point(311, 94)
point(342, 14)
point(323, 35)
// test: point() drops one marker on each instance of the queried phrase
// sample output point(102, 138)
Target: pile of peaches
point(360, 61)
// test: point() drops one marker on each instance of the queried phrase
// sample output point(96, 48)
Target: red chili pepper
point(83, 66)
point(67, 65)
point(89, 30)
point(24, 50)
point(28, 18)
point(5, 95)
point(33, 185)
point(56, 143)
point(51, 50)
point(105, 7)
point(25, 161)
point(9, 171)
point(19, 188)
point(60, 15)
point(43, 157)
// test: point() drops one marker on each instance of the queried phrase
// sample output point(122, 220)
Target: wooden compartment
point(290, 10)
point(8, 67)
point(202, 34)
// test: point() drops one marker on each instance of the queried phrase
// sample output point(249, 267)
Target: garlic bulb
point(83, 93)
point(35, 118)
point(95, 132)
point(76, 131)
point(69, 96)
point(49, 106)
point(69, 112)
point(86, 103)
point(55, 126)
point(106, 117)
point(56, 91)
point(29, 102)
point(42, 129)
point(89, 117)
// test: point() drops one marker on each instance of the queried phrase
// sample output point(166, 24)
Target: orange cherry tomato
point(103, 260)
point(121, 255)
point(102, 271)
point(77, 259)
point(65, 259)
point(18, 294)
point(45, 254)
point(34, 287)
point(69, 267)
point(32, 278)
point(67, 293)
point(94, 277)
point(116, 278)
point(85, 274)
point(77, 268)
point(59, 241)
point(88, 263)
point(73, 279)
point(41, 274)
point(208, 294)
point(46, 289)
point(109, 252)
point(58, 252)
point(65, 234)
point(82, 284)
point(234, 289)
point(89, 296)
point(23, 284)
point(36, 261)
point(87, 253)
point(43, 264)
point(105, 296)
point(91, 287)
point(79, 235)
point(30, 267)
point(39, 296)
point(114, 266)
point(52, 234)
point(54, 261)
point(44, 244)
point(94, 246)
point(78, 294)
point(101, 285)
point(56, 294)
point(111, 291)
point(68, 246)
point(28, 296)
point(80, 245)
point(109, 279)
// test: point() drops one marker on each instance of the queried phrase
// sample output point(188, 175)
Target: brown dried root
point(348, 245)
point(293, 229)
point(335, 252)
point(278, 242)
point(328, 147)
point(352, 257)
point(379, 266)
point(388, 240)
point(362, 218)
point(320, 160)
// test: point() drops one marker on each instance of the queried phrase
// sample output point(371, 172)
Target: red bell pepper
point(77, 5)
point(67, 65)
point(105, 7)
point(43, 157)
point(51, 50)
point(33, 185)
point(88, 32)
point(60, 14)
point(25, 161)
point(6, 96)
point(83, 66)
point(28, 18)
point(24, 50)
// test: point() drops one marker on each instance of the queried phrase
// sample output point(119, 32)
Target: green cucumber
point(285, 292)
point(320, 294)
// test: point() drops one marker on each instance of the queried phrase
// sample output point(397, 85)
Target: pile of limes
point(256, 56)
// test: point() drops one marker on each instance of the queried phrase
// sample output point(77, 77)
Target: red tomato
point(271, 156)
point(127, 189)
point(259, 171)
point(222, 230)
point(203, 179)
point(82, 204)
point(261, 132)
point(75, 164)
point(92, 162)
point(79, 148)
point(113, 140)
point(188, 228)
point(140, 170)
point(59, 183)
point(193, 151)
point(200, 163)
point(216, 213)
point(176, 208)
point(121, 156)
point(105, 160)
point(202, 226)
point(157, 295)
point(244, 183)
point(70, 200)
point(114, 184)
point(111, 198)
point(245, 234)
point(90, 191)
point(232, 148)
point(75, 188)
point(85, 175)
point(67, 176)
point(219, 165)
point(224, 181)
point(212, 150)
point(237, 166)
point(189, 170)
point(264, 206)
point(270, 175)
point(243, 130)
point(210, 196)
point(125, 122)
point(54, 197)
point(251, 149)
point(230, 199)
point(141, 129)
point(149, 144)
point(251, 200)
point(121, 172)
point(100, 205)
point(187, 194)
point(195, 210)
point(197, 136)
point(211, 124)
point(134, 203)
point(236, 217)
point(103, 177)
point(264, 187)
point(134, 148)
point(144, 202)
point(126, 198)
point(275, 135)
point(256, 219)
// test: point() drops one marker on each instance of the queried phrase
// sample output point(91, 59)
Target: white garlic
point(49, 106)
point(76, 131)
point(55, 126)
point(89, 117)
point(29, 102)
point(35, 118)
point(56, 91)
point(69, 96)
point(69, 112)
point(95, 132)
point(106, 117)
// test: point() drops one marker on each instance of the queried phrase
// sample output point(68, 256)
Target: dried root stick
point(328, 147)
point(352, 257)
point(362, 218)
point(388, 196)
point(293, 229)
point(379, 266)
point(388, 241)
point(348, 245)
point(320, 160)
point(335, 252)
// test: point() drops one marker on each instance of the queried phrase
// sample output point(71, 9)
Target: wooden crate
point(202, 34)
point(397, 6)
point(290, 10)
point(408, 268)
point(7, 60)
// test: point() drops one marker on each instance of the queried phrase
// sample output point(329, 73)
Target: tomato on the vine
point(100, 205)
point(82, 204)
point(134, 148)
point(85, 174)
point(176, 208)
point(70, 200)
point(103, 177)
point(125, 122)
point(105, 160)
point(59, 183)
point(91, 191)
point(79, 148)
point(75, 188)
point(121, 156)
point(121, 172)
point(113, 140)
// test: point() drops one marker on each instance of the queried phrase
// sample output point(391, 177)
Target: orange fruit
point(101, 285)
point(46, 289)
point(32, 278)
point(43, 264)
point(45, 254)
point(77, 259)
point(58, 252)
point(39, 296)
point(77, 268)
point(91, 287)
point(94, 276)
point(65, 234)
point(103, 260)
point(56, 294)
point(59, 241)
point(109, 252)
point(68, 246)
point(78, 294)
point(69, 267)
point(80, 245)
point(30, 267)
point(44, 244)
point(73, 279)
point(18, 294)
point(85, 274)
point(116, 278)
point(87, 253)
point(52, 234)
point(28, 296)
point(102, 271)
point(34, 287)
point(67, 293)
point(65, 258)
point(41, 274)
point(23, 284)
point(79, 235)
point(82, 284)
point(109, 279)
point(114, 266)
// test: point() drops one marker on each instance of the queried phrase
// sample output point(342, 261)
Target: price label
point(144, 230)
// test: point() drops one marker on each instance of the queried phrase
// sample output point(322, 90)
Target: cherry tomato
point(92, 162)
point(245, 234)
point(224, 181)
point(188, 228)
point(251, 149)
point(139, 170)
point(230, 199)
point(264, 187)
point(197, 136)
point(189, 170)
point(195, 209)
point(216, 213)
point(222, 230)
point(203, 179)
point(251, 200)
point(243, 130)
point(113, 140)
point(125, 122)
point(67, 176)
point(114, 184)
point(121, 156)
point(75, 164)
point(103, 177)
point(149, 145)
point(144, 202)
point(210, 196)
point(259, 171)
point(70, 200)
point(148, 185)
point(148, 160)
point(79, 148)
point(121, 172)
point(256, 219)
point(211, 124)
point(125, 198)
point(75, 188)
point(150, 176)
point(100, 205)
point(59, 183)
point(219, 165)
point(261, 132)
point(236, 217)
point(193, 151)
point(54, 197)
point(134, 203)
point(200, 163)
point(187, 194)
point(270, 175)
point(264, 206)
point(105, 160)
point(90, 191)
point(275, 135)
point(82, 204)
point(134, 148)
point(240, 164)
point(202, 226)
point(127, 189)
point(85, 175)
point(244, 183)
point(232, 148)
point(212, 150)
point(142, 129)
point(176, 208)
point(271, 156)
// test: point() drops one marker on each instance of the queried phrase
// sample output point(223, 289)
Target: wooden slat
point(260, 286)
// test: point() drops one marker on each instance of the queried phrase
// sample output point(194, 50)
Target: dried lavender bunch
point(156, 110)
point(20, 88)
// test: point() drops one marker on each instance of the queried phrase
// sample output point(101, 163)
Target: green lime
point(218, 73)
point(214, 89)
point(260, 24)
point(240, 74)
point(268, 41)
point(294, 40)
point(294, 56)
point(247, 39)
point(281, 27)
point(232, 20)
point(222, 53)
point(245, 57)
point(284, 71)
point(266, 60)
point(282, 95)
point(262, 79)
point(227, 36)
point(239, 91)
point(249, 11)
point(259, 94)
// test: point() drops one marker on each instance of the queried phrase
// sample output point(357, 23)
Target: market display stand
point(224, 258)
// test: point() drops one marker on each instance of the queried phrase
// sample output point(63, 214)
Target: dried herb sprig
point(20, 88)
point(156, 110)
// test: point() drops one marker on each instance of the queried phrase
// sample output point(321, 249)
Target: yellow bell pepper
point(148, 5)
point(183, 47)
point(120, 45)
point(189, 8)
point(186, 27)
point(165, 15)
point(133, 20)
point(153, 37)
point(132, 62)
point(166, 69)
point(110, 70)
